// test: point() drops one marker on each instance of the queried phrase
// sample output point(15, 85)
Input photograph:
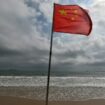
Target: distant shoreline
point(54, 73)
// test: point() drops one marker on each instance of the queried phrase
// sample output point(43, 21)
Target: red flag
point(71, 19)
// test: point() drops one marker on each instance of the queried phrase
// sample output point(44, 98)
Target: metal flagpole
point(49, 66)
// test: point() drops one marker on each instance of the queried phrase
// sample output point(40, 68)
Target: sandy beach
point(29, 90)
point(7, 100)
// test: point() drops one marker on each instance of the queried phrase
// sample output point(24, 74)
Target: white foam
point(54, 81)
point(61, 88)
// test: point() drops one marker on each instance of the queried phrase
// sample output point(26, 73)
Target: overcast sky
point(25, 29)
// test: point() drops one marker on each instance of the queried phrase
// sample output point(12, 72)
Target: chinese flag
point(71, 19)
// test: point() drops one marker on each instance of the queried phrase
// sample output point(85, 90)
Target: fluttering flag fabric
point(71, 19)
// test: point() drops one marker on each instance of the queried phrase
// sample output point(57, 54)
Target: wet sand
point(7, 100)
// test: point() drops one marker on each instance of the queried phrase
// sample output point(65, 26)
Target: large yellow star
point(63, 12)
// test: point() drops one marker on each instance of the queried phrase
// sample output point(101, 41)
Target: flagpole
point(49, 65)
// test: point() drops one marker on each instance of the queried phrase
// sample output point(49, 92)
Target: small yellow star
point(75, 11)
point(72, 18)
point(63, 12)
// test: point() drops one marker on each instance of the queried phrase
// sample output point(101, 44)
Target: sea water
point(61, 88)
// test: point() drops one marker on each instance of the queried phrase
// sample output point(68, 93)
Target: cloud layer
point(25, 27)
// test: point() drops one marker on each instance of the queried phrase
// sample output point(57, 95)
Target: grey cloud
point(9, 52)
point(20, 40)
point(24, 40)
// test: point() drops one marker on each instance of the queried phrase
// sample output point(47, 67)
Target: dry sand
point(7, 100)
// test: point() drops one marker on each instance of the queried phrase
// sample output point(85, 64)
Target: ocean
point(61, 88)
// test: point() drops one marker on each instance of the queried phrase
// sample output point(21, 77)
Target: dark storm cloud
point(9, 52)
point(71, 54)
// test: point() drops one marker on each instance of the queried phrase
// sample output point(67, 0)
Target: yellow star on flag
point(72, 18)
point(75, 11)
point(63, 12)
